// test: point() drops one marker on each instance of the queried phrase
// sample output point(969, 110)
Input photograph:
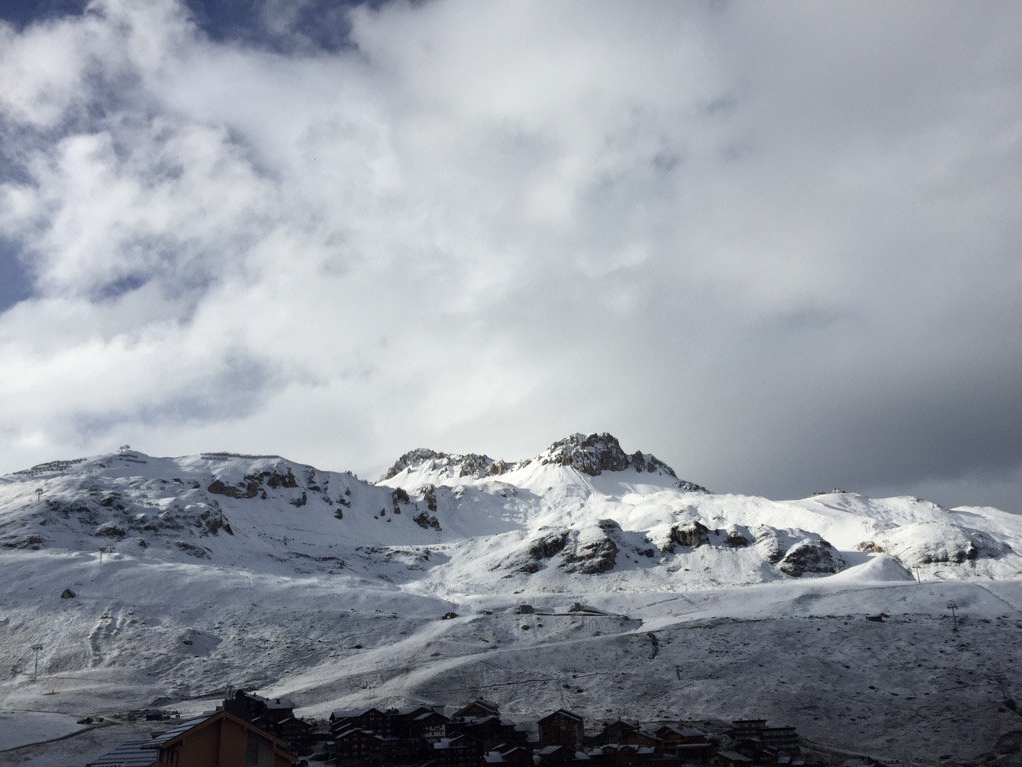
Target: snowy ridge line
point(539, 520)
point(224, 454)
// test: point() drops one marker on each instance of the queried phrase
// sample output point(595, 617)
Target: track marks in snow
point(104, 635)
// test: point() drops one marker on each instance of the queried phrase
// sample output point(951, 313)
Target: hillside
point(180, 576)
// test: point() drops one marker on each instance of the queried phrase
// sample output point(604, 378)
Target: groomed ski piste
point(137, 582)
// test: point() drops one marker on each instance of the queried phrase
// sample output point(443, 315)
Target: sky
point(779, 244)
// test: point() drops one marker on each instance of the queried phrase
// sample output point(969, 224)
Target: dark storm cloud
point(776, 244)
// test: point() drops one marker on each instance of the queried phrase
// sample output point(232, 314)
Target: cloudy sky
point(777, 244)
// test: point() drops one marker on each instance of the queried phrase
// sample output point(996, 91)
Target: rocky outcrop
point(597, 453)
point(426, 521)
point(592, 455)
point(736, 538)
point(548, 545)
point(470, 465)
point(29, 542)
point(690, 487)
point(83, 511)
point(939, 543)
point(536, 551)
point(595, 551)
point(252, 484)
point(199, 552)
point(110, 530)
point(811, 556)
point(250, 488)
point(692, 535)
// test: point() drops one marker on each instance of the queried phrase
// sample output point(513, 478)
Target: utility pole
point(36, 648)
point(951, 606)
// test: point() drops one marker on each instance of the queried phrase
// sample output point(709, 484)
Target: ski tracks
point(104, 634)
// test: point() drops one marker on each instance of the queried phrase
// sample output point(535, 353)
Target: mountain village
point(248, 729)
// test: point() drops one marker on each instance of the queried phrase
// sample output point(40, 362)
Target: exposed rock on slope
point(451, 464)
point(810, 556)
point(592, 550)
point(943, 543)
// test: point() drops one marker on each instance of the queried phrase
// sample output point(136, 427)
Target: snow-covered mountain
point(581, 508)
point(147, 578)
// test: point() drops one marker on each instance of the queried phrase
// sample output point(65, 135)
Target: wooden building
point(275, 716)
point(459, 751)
point(425, 723)
point(783, 740)
point(561, 728)
point(674, 736)
point(373, 720)
point(355, 746)
point(509, 755)
point(559, 756)
point(746, 729)
point(488, 730)
point(623, 733)
point(732, 759)
point(476, 709)
point(618, 755)
point(297, 733)
point(215, 740)
point(695, 753)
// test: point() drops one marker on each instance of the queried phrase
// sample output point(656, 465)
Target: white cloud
point(763, 241)
point(43, 70)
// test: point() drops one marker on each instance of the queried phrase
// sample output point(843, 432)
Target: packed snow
point(18, 728)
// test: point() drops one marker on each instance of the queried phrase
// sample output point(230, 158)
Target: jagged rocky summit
point(591, 455)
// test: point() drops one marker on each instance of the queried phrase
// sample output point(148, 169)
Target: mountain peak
point(594, 454)
point(590, 454)
point(468, 465)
